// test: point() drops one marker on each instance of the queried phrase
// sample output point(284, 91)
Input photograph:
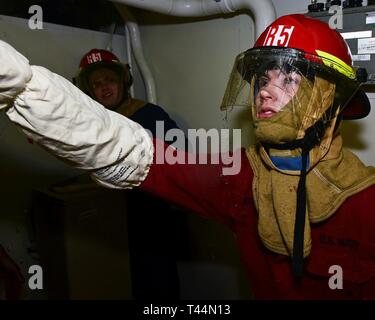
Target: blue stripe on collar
point(289, 163)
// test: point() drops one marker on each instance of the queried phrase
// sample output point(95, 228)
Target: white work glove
point(71, 125)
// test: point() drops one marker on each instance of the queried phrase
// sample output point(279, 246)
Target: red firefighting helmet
point(100, 58)
point(321, 45)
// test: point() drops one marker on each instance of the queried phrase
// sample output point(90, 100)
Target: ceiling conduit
point(263, 12)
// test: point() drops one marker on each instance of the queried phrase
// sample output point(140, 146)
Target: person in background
point(103, 77)
point(155, 240)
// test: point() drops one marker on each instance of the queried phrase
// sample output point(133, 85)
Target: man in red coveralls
point(300, 204)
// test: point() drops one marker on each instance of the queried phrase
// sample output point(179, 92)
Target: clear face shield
point(287, 91)
point(273, 89)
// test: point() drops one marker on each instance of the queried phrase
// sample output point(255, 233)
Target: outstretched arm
point(118, 151)
point(203, 187)
point(72, 126)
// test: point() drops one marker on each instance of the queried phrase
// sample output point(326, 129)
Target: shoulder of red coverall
point(203, 187)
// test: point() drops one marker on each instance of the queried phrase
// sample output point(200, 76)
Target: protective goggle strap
point(312, 137)
point(299, 224)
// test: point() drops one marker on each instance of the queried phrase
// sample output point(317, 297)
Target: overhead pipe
point(129, 55)
point(263, 10)
point(136, 44)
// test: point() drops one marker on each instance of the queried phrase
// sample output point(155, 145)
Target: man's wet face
point(275, 89)
point(106, 87)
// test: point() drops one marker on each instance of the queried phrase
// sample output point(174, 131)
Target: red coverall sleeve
point(202, 188)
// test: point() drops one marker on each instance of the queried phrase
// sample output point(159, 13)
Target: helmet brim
point(358, 107)
point(116, 66)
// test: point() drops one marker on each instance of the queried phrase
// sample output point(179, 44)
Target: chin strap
point(312, 138)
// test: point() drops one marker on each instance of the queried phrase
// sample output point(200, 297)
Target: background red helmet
point(97, 57)
point(321, 44)
point(100, 58)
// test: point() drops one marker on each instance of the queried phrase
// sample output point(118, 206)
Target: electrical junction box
point(359, 32)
